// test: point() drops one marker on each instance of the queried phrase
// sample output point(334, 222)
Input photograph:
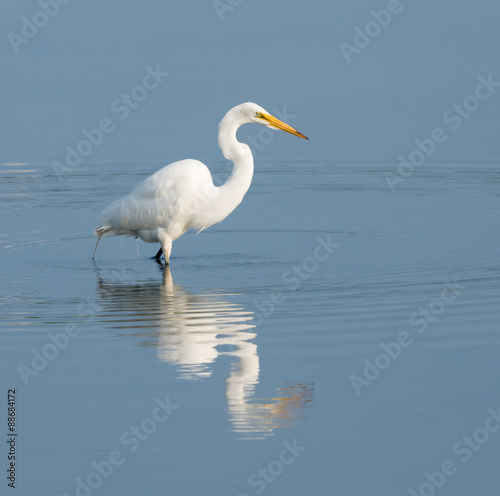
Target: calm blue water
point(329, 337)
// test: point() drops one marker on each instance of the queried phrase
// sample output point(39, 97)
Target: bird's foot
point(158, 255)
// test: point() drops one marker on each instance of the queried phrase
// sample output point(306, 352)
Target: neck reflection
point(190, 332)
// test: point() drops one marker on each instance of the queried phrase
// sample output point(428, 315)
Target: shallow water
point(274, 335)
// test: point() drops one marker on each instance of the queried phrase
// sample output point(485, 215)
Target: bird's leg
point(166, 253)
point(159, 254)
point(166, 245)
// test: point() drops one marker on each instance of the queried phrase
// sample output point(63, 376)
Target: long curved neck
point(232, 191)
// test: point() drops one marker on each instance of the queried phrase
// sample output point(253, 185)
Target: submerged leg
point(159, 254)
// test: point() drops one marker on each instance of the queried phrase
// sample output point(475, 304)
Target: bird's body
point(182, 195)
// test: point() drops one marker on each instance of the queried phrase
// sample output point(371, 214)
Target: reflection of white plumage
point(182, 195)
point(190, 332)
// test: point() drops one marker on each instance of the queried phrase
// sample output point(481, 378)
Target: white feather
point(182, 195)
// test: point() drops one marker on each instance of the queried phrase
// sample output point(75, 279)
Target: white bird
point(182, 195)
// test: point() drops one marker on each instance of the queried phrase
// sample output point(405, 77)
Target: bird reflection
point(190, 332)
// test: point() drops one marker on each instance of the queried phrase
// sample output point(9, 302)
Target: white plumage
point(182, 195)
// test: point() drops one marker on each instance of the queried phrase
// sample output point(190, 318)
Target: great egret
point(182, 195)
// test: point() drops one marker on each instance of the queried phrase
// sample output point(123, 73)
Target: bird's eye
point(259, 114)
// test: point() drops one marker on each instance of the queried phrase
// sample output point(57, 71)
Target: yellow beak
point(277, 124)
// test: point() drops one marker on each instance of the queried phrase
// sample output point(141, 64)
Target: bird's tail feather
point(104, 231)
point(101, 231)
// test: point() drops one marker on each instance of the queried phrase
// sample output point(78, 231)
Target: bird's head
point(255, 113)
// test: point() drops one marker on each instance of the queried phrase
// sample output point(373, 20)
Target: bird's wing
point(164, 198)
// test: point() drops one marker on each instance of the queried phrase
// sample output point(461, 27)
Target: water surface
point(260, 334)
